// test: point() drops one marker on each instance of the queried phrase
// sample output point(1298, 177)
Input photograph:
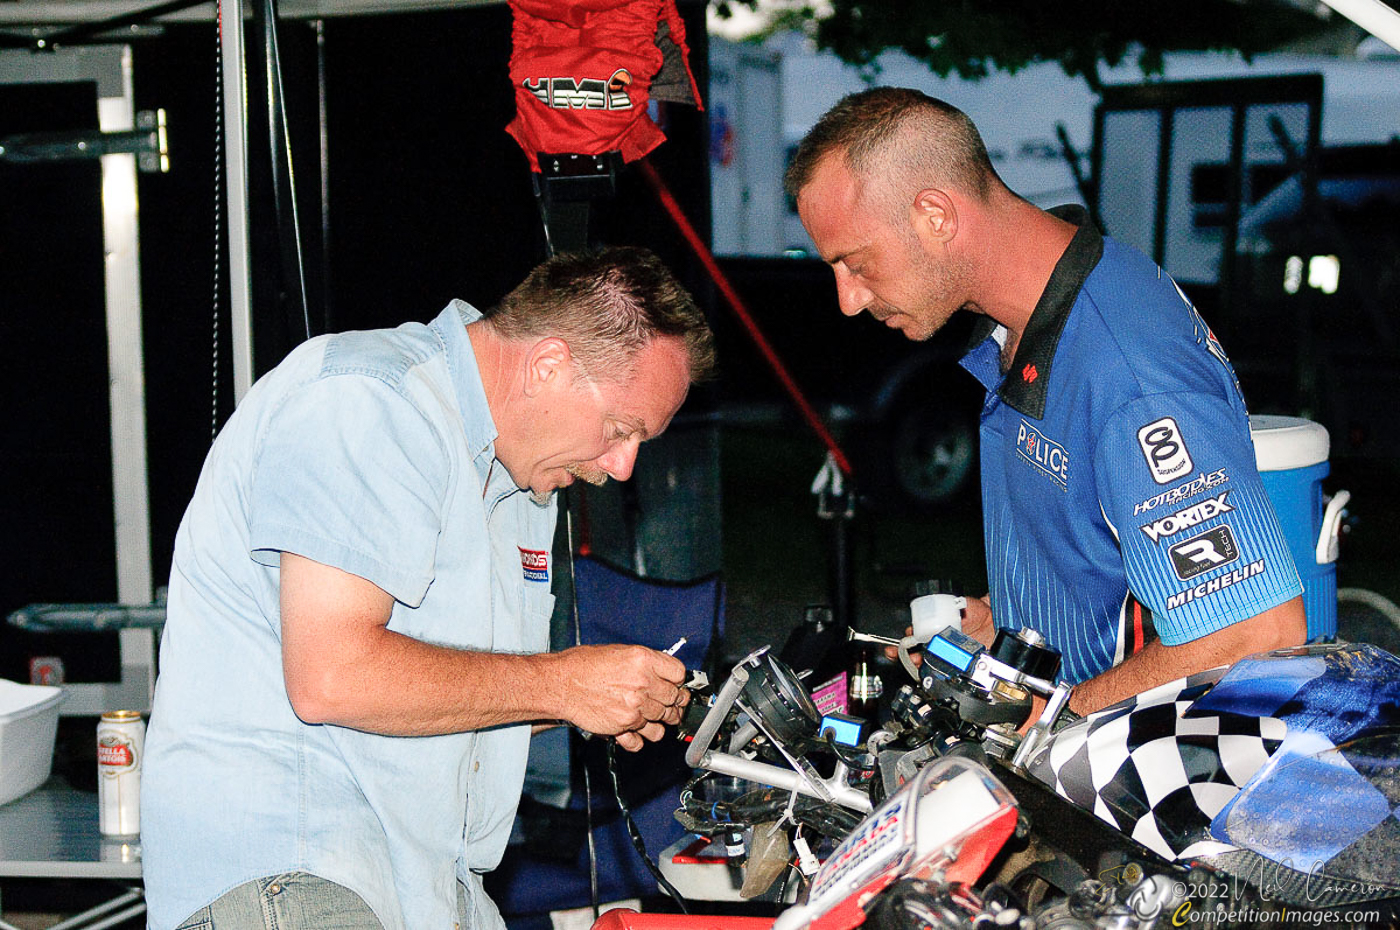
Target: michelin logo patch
point(1045, 454)
point(1218, 583)
point(535, 564)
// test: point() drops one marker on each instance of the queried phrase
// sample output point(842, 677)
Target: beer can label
point(121, 742)
point(115, 755)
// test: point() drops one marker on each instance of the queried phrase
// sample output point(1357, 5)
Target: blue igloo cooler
point(1292, 457)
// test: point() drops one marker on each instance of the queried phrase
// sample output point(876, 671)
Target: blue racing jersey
point(1120, 494)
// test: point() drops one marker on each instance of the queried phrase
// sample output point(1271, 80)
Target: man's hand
point(630, 692)
point(977, 622)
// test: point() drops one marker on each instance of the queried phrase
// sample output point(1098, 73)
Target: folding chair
point(614, 606)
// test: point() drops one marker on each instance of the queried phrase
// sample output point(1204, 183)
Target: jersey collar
point(1027, 382)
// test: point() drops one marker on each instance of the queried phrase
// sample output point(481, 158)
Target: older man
point(360, 600)
point(1120, 493)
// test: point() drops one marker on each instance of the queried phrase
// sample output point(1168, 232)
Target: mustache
point(594, 476)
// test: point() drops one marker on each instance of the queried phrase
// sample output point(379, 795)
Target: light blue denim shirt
point(371, 452)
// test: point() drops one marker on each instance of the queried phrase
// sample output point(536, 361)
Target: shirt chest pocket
point(536, 608)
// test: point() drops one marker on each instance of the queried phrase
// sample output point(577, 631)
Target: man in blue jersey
point(1123, 514)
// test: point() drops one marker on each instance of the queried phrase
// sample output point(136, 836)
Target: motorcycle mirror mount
point(1040, 731)
point(769, 692)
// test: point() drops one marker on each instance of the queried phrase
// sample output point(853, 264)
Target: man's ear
point(548, 364)
point(935, 216)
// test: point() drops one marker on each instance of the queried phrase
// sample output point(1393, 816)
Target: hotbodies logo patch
point(1184, 491)
point(535, 564)
point(1165, 450)
point(1045, 454)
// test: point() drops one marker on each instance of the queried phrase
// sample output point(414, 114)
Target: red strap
point(707, 259)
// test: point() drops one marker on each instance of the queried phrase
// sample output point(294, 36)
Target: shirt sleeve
point(1178, 485)
point(350, 474)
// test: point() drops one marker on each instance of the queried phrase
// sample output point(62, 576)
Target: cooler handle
point(1328, 541)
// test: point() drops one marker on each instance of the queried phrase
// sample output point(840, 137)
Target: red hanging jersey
point(584, 71)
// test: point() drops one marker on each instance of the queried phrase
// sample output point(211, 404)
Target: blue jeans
point(294, 901)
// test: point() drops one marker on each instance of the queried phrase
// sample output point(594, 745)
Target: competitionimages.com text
point(1187, 915)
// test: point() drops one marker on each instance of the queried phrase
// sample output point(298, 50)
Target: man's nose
point(851, 295)
point(619, 462)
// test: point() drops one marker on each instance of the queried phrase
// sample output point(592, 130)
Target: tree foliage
point(975, 37)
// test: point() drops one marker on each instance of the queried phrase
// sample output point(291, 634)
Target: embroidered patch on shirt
point(1046, 454)
point(1164, 449)
point(535, 564)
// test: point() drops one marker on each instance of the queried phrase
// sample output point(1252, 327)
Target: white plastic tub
point(28, 725)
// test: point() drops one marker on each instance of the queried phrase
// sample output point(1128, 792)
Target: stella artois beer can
point(121, 742)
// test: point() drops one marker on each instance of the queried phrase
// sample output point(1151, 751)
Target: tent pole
point(235, 78)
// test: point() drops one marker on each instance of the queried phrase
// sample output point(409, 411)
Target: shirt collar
point(477, 425)
point(1027, 381)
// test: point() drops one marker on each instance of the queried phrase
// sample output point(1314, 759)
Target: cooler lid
point(1283, 443)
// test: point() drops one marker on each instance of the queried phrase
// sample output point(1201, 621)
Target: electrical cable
point(765, 348)
point(279, 136)
point(544, 214)
point(906, 660)
point(787, 877)
point(323, 121)
point(636, 835)
point(587, 779)
point(849, 756)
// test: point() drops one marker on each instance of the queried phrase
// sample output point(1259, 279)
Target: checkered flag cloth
point(1320, 822)
point(1153, 773)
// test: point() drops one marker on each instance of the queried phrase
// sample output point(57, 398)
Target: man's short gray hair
point(607, 305)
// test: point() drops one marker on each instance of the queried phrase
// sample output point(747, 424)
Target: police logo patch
point(1045, 454)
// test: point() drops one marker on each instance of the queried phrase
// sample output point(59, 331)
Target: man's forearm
point(342, 665)
point(399, 686)
point(1157, 664)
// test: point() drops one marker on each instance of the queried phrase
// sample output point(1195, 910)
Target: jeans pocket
point(301, 901)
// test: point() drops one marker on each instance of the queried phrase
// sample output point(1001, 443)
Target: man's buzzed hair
point(914, 140)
